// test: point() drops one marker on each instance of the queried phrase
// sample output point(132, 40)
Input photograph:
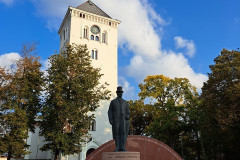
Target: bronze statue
point(119, 115)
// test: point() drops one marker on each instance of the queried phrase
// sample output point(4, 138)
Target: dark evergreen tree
point(220, 95)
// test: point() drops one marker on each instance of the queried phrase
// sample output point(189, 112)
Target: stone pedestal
point(121, 156)
point(148, 148)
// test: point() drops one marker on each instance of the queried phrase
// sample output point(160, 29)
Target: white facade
point(76, 28)
point(36, 142)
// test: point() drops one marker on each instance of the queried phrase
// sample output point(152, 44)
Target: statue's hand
point(111, 122)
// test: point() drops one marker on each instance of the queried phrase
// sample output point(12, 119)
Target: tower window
point(83, 15)
point(96, 38)
point(104, 38)
point(85, 32)
point(66, 31)
point(63, 34)
point(110, 23)
point(80, 14)
point(92, 37)
point(92, 54)
point(96, 55)
point(92, 126)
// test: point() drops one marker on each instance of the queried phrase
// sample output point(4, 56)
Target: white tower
point(88, 24)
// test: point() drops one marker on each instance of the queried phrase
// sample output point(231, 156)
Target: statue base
point(121, 156)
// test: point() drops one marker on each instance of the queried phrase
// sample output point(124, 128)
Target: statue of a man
point(119, 115)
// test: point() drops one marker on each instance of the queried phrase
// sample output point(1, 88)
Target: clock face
point(95, 30)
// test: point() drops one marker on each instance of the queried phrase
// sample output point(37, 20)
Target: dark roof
point(89, 6)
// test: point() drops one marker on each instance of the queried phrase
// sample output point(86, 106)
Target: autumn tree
point(73, 90)
point(20, 90)
point(175, 101)
point(220, 95)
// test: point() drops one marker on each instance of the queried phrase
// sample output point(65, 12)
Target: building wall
point(107, 59)
point(36, 142)
point(107, 52)
point(64, 34)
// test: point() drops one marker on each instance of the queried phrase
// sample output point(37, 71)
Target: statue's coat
point(119, 115)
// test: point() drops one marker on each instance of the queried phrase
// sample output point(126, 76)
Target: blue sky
point(175, 38)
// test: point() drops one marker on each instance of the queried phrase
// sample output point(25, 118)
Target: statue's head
point(119, 91)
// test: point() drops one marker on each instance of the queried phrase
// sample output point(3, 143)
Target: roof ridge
point(99, 8)
point(86, 7)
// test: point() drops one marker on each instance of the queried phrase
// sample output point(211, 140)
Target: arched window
point(89, 151)
point(96, 55)
point(92, 54)
point(92, 37)
point(64, 34)
point(80, 14)
point(83, 15)
point(85, 33)
point(104, 37)
point(92, 126)
point(96, 38)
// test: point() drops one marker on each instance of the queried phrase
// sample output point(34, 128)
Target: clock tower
point(88, 24)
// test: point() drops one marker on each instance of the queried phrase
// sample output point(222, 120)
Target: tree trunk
point(56, 156)
point(198, 146)
point(9, 154)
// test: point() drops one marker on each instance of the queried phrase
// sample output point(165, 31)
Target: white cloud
point(7, 2)
point(136, 31)
point(169, 64)
point(184, 43)
point(45, 65)
point(129, 91)
point(8, 59)
point(140, 31)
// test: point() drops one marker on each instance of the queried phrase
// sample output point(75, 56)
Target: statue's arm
point(110, 113)
point(127, 112)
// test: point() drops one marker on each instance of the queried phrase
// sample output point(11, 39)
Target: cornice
point(76, 12)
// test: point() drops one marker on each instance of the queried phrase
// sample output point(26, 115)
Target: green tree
point(29, 82)
point(73, 90)
point(20, 101)
point(220, 95)
point(5, 78)
point(173, 123)
point(141, 116)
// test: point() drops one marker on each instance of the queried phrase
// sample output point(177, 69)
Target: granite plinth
point(121, 156)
